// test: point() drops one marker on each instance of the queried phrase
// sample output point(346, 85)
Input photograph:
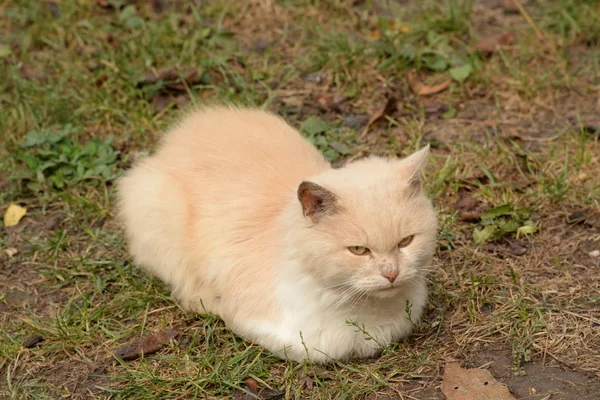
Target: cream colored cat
point(245, 219)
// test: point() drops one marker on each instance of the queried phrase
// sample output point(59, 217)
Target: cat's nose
point(391, 276)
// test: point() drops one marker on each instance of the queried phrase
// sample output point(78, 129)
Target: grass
point(517, 128)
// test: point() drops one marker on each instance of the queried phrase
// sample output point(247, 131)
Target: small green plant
point(54, 159)
point(316, 131)
point(504, 220)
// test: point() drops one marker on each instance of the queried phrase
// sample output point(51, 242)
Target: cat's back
point(240, 147)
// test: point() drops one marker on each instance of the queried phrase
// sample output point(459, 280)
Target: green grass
point(75, 109)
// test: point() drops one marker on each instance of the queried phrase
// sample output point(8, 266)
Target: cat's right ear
point(316, 201)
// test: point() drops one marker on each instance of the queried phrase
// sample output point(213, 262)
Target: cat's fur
point(245, 219)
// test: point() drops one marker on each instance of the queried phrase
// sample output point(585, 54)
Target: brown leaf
point(577, 217)
point(148, 345)
point(104, 3)
point(426, 90)
point(509, 6)
point(468, 208)
point(517, 248)
point(252, 387)
point(491, 44)
point(33, 341)
point(101, 79)
point(472, 384)
point(162, 102)
point(173, 77)
point(330, 101)
point(391, 105)
point(432, 109)
point(28, 72)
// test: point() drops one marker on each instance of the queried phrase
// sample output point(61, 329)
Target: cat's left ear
point(412, 167)
point(316, 200)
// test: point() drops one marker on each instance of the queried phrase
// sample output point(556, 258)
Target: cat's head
point(367, 229)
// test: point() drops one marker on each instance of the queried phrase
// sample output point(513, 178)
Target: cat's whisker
point(341, 297)
point(349, 282)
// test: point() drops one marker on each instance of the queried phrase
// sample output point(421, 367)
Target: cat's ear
point(316, 201)
point(412, 167)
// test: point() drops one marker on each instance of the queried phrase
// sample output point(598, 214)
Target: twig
point(525, 14)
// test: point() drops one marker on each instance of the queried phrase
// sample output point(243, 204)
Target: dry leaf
point(472, 384)
point(161, 102)
point(148, 345)
point(426, 90)
point(432, 109)
point(173, 77)
point(391, 105)
point(13, 214)
point(33, 341)
point(11, 252)
point(491, 44)
point(171, 74)
point(256, 393)
point(468, 208)
point(330, 102)
point(510, 6)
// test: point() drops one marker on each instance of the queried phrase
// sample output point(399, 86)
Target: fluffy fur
point(245, 219)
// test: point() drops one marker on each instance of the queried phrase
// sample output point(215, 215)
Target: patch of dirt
point(536, 380)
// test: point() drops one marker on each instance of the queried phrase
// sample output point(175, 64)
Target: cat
point(244, 218)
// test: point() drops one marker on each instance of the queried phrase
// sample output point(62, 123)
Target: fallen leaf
point(426, 90)
point(577, 217)
point(468, 208)
point(491, 44)
point(13, 214)
point(354, 121)
point(252, 384)
point(517, 248)
point(391, 105)
point(104, 3)
point(161, 102)
point(330, 101)
point(28, 72)
point(251, 391)
point(148, 345)
point(33, 341)
point(472, 384)
point(509, 6)
point(101, 79)
point(432, 109)
point(11, 252)
point(172, 76)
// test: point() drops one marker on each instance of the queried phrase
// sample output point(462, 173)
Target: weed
point(53, 159)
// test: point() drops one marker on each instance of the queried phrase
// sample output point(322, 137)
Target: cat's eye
point(406, 241)
point(359, 250)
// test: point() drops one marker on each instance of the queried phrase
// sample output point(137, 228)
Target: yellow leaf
point(13, 214)
point(11, 252)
